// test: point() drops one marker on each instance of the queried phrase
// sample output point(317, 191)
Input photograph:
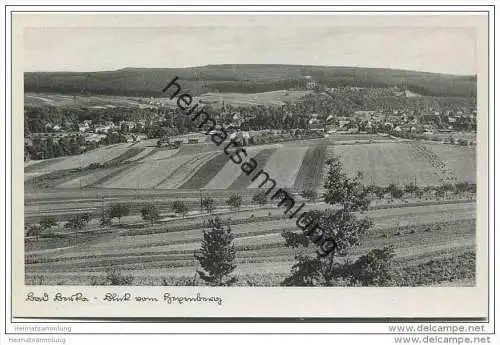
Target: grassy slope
point(243, 181)
point(311, 170)
point(399, 163)
point(444, 261)
point(381, 164)
point(206, 173)
point(263, 233)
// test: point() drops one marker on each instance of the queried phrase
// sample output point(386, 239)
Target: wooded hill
point(244, 79)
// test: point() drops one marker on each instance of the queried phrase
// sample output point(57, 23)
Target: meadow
point(277, 97)
point(429, 235)
point(296, 166)
point(252, 99)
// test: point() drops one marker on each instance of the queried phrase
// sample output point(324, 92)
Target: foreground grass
point(456, 267)
point(437, 271)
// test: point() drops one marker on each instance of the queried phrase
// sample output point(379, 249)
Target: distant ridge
point(131, 81)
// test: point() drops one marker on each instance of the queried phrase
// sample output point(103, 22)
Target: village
point(312, 116)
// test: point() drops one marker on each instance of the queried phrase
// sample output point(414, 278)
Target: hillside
point(244, 79)
point(295, 164)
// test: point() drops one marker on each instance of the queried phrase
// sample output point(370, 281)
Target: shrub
point(208, 204)
point(179, 207)
point(78, 222)
point(114, 277)
point(374, 268)
point(181, 281)
point(98, 281)
point(33, 230)
point(395, 191)
point(105, 220)
point(260, 198)
point(119, 211)
point(95, 166)
point(150, 213)
point(379, 192)
point(306, 272)
point(36, 280)
point(235, 201)
point(48, 222)
point(309, 194)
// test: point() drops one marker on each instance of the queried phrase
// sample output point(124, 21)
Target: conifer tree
point(217, 254)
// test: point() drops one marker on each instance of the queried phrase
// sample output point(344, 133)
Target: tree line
point(74, 144)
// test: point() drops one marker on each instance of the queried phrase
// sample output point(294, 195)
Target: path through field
point(260, 245)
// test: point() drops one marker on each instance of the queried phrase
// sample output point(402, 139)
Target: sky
point(84, 49)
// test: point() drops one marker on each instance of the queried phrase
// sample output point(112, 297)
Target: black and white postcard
point(250, 165)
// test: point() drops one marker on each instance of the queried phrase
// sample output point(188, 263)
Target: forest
point(143, 82)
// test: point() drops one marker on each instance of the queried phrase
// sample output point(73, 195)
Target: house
point(140, 137)
point(316, 126)
point(363, 114)
point(240, 137)
point(314, 123)
point(343, 121)
point(93, 137)
point(330, 118)
point(84, 127)
point(331, 129)
point(102, 129)
point(127, 124)
point(392, 118)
